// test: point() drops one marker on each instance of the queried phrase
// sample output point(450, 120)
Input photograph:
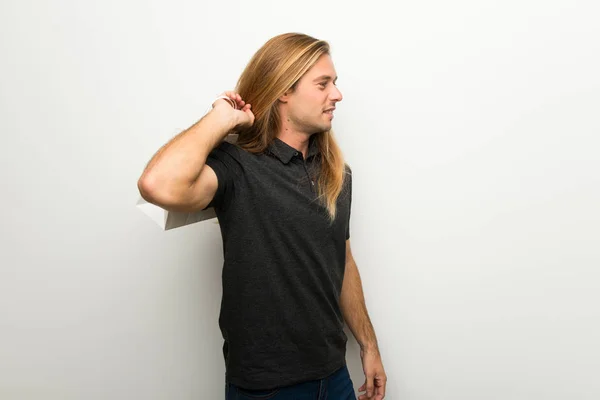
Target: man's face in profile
point(309, 105)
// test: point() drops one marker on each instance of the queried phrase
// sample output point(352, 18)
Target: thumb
point(249, 113)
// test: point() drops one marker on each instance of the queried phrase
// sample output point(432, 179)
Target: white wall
point(472, 130)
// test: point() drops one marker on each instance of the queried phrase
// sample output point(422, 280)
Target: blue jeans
point(337, 386)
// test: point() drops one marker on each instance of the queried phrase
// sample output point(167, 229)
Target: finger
point(231, 103)
point(226, 99)
point(370, 386)
point(364, 388)
point(232, 95)
point(382, 385)
point(236, 99)
point(251, 114)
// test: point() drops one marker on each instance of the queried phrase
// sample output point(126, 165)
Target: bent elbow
point(147, 188)
point(165, 197)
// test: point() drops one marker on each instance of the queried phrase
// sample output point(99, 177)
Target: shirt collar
point(285, 152)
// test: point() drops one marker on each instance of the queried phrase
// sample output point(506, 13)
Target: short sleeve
point(348, 176)
point(224, 160)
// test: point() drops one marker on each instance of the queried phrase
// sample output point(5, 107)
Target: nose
point(336, 95)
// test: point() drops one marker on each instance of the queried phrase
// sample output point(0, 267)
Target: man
point(282, 196)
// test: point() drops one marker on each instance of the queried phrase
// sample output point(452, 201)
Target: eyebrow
point(325, 77)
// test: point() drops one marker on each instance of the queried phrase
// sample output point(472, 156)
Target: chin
point(321, 129)
point(324, 126)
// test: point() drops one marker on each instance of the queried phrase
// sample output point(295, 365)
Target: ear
point(285, 97)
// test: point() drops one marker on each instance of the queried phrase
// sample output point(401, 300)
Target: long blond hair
point(275, 68)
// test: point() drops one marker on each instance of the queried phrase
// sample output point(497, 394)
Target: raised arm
point(177, 178)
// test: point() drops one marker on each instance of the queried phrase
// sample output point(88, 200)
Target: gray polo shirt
point(283, 266)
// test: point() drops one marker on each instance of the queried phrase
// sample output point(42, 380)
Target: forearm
point(354, 309)
point(177, 164)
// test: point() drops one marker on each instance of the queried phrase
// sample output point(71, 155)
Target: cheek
point(307, 111)
point(309, 106)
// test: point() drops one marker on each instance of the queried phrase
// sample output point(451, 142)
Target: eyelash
point(324, 84)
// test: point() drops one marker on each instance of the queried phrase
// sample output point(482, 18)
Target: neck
point(295, 139)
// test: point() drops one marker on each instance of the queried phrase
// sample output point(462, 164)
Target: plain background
point(472, 131)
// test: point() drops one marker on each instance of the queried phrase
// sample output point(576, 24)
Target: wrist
point(223, 122)
point(369, 347)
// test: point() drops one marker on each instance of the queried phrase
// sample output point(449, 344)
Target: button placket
point(312, 182)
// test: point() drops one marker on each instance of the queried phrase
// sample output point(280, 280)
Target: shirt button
point(295, 153)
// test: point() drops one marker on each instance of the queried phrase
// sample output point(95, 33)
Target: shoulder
point(227, 159)
point(226, 150)
point(227, 147)
point(347, 182)
point(347, 174)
